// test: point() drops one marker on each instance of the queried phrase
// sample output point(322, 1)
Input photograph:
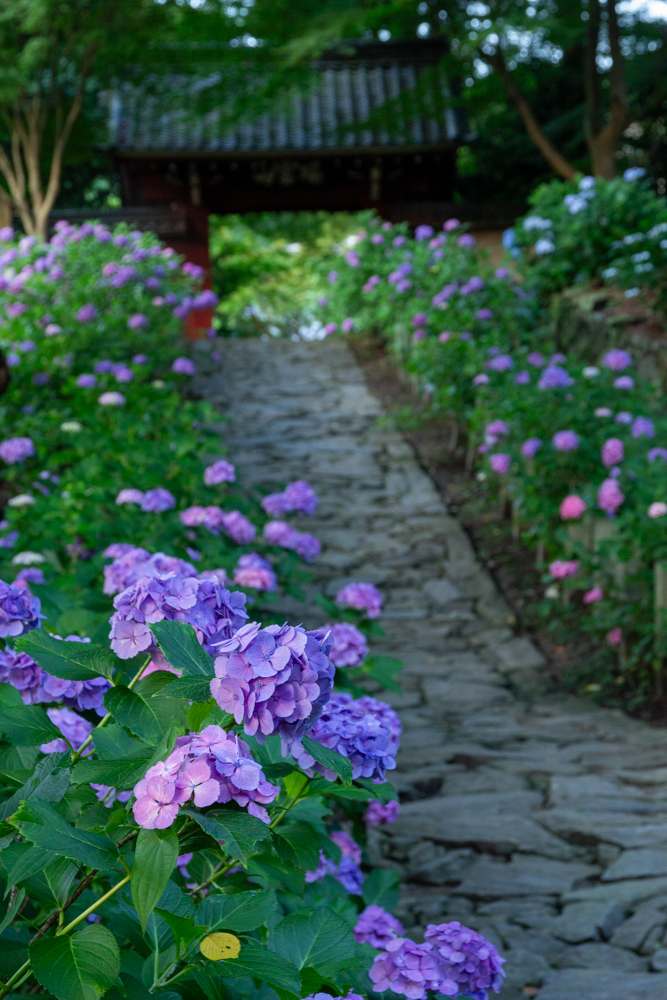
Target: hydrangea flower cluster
point(74, 728)
point(17, 449)
point(35, 685)
point(213, 610)
point(252, 570)
point(377, 813)
point(365, 730)
point(131, 562)
point(19, 610)
point(274, 679)
point(207, 767)
point(220, 472)
point(362, 597)
point(299, 496)
point(283, 534)
point(349, 648)
point(377, 927)
point(452, 961)
point(347, 870)
point(154, 501)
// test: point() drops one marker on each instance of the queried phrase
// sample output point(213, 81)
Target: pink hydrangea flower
point(500, 462)
point(361, 596)
point(220, 472)
point(614, 637)
point(111, 399)
point(657, 509)
point(612, 452)
point(593, 595)
point(610, 496)
point(565, 441)
point(561, 569)
point(572, 507)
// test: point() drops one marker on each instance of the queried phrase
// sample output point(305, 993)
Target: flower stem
point(89, 739)
point(91, 909)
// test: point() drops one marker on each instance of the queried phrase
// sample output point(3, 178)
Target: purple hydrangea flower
point(621, 418)
point(467, 241)
point(238, 527)
point(655, 453)
point(362, 597)
point(347, 326)
point(376, 927)
point(86, 381)
point(617, 360)
point(21, 671)
point(424, 232)
point(206, 767)
point(111, 399)
point(122, 373)
point(535, 359)
point(298, 496)
point(41, 378)
point(86, 313)
point(74, 728)
point(209, 607)
point(481, 379)
point(349, 648)
point(19, 610)
point(254, 571)
point(522, 378)
point(220, 472)
point(377, 813)
point(554, 377)
point(366, 731)
point(500, 463)
point(140, 359)
point(347, 871)
point(129, 496)
point(183, 366)
point(643, 427)
point(13, 450)
point(502, 363)
point(137, 321)
point(466, 958)
point(30, 575)
point(565, 441)
point(406, 968)
point(274, 680)
point(610, 496)
point(483, 314)
point(158, 500)
point(624, 382)
point(612, 452)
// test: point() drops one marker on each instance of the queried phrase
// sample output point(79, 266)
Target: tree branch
point(557, 162)
point(593, 114)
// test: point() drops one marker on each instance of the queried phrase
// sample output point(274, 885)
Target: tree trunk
point(603, 142)
point(4, 373)
point(557, 162)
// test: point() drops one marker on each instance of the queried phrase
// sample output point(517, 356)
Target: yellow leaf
point(220, 945)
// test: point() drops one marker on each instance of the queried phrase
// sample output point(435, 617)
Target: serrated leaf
point(384, 792)
point(239, 831)
point(59, 877)
point(13, 908)
point(330, 759)
point(43, 826)
point(78, 967)
point(240, 911)
point(73, 661)
point(304, 841)
point(190, 688)
point(320, 939)
point(49, 783)
point(183, 928)
point(260, 963)
point(175, 901)
point(122, 774)
point(31, 860)
point(381, 888)
point(154, 861)
point(9, 696)
point(27, 725)
point(278, 870)
point(113, 743)
point(178, 641)
point(132, 711)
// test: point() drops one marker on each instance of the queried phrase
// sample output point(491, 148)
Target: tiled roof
point(331, 115)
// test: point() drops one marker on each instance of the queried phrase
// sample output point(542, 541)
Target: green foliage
point(154, 861)
point(80, 967)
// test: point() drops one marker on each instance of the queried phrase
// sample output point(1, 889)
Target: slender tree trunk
point(603, 142)
point(557, 162)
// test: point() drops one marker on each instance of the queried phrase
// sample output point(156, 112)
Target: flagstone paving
point(535, 818)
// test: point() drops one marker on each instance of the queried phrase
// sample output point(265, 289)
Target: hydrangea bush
point(179, 784)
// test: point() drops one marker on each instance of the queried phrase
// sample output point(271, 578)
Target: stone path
point(536, 819)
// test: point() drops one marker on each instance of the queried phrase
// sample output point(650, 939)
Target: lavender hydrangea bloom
point(19, 610)
point(219, 472)
point(298, 496)
point(206, 767)
point(503, 363)
point(210, 608)
point(349, 648)
point(407, 968)
point(183, 366)
point(655, 453)
point(17, 449)
point(624, 382)
point(21, 671)
point(86, 381)
point(158, 500)
point(274, 680)
point(361, 596)
point(365, 731)
point(643, 427)
point(254, 571)
point(466, 958)
point(612, 452)
point(238, 527)
point(610, 497)
point(617, 360)
point(280, 533)
point(74, 728)
point(377, 813)
point(129, 496)
point(130, 563)
point(376, 927)
point(86, 313)
point(30, 575)
point(554, 377)
point(565, 441)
